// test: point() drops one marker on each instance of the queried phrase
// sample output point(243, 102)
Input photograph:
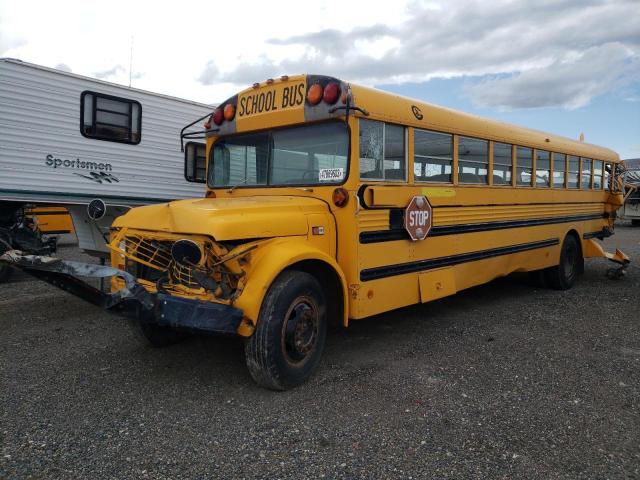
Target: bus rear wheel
point(286, 347)
point(564, 275)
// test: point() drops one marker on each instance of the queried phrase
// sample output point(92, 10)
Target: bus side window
point(502, 163)
point(382, 151)
point(543, 168)
point(559, 166)
point(473, 160)
point(597, 175)
point(371, 148)
point(524, 164)
point(585, 182)
point(433, 156)
point(573, 180)
point(607, 176)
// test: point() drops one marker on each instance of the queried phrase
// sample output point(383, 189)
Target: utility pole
point(130, 60)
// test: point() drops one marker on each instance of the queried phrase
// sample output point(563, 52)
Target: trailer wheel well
point(331, 285)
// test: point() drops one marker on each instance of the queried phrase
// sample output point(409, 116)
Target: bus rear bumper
point(591, 248)
point(160, 308)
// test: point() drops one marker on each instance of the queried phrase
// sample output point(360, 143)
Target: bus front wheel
point(564, 275)
point(287, 344)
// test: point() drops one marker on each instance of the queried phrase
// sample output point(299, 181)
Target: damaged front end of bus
point(209, 277)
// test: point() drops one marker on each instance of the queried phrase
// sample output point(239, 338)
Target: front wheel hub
point(300, 330)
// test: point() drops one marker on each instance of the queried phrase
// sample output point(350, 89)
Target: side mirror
point(195, 162)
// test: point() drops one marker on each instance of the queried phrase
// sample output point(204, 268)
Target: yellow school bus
point(328, 202)
point(51, 220)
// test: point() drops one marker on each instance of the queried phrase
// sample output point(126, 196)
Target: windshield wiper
point(237, 185)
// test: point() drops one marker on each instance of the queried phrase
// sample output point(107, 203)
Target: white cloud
point(110, 73)
point(544, 43)
point(209, 51)
point(571, 83)
point(9, 43)
point(64, 67)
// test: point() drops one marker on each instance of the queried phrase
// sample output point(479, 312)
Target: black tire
point(564, 275)
point(635, 222)
point(286, 347)
point(5, 273)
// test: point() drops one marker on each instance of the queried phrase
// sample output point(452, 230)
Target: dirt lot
point(502, 381)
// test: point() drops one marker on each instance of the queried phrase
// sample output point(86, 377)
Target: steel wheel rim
point(300, 330)
point(569, 262)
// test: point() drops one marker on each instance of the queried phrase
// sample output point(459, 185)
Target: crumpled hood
point(227, 218)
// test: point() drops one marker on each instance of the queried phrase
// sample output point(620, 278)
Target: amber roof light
point(229, 112)
point(314, 94)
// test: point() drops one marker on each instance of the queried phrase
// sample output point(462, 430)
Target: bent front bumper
point(158, 308)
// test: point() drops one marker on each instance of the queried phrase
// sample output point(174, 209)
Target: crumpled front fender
point(269, 260)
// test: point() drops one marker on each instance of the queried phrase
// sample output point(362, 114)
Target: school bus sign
point(417, 217)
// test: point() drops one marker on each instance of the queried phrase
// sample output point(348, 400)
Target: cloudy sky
point(568, 67)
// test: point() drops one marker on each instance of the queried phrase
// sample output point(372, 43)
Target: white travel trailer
point(66, 140)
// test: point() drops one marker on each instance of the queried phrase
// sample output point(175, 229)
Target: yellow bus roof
point(396, 108)
point(405, 111)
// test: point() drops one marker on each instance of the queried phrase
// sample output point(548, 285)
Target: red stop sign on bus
point(417, 217)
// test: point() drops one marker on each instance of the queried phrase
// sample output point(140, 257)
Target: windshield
point(307, 155)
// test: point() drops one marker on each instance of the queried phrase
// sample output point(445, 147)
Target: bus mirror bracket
point(347, 108)
point(197, 135)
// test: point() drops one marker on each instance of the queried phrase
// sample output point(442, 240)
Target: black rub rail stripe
point(401, 234)
point(422, 265)
point(57, 212)
point(602, 234)
point(56, 232)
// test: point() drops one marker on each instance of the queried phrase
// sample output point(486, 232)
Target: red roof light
point(218, 116)
point(331, 93)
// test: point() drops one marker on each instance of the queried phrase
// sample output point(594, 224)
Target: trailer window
point(105, 117)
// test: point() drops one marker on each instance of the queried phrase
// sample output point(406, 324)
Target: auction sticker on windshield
point(330, 174)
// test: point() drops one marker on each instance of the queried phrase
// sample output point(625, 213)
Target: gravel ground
point(501, 381)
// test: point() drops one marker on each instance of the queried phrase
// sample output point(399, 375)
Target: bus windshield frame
point(269, 158)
